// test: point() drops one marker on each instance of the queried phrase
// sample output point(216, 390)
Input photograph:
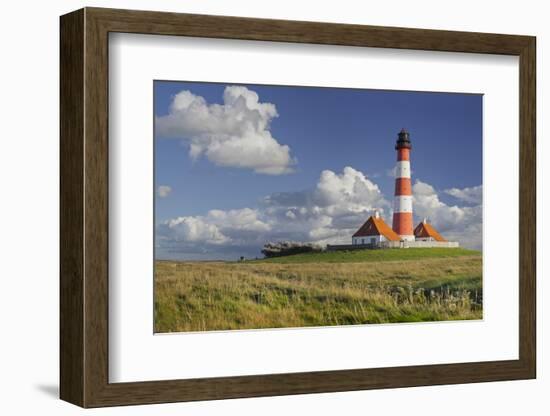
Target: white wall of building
point(370, 239)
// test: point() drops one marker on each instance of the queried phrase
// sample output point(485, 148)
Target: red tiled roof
point(425, 230)
point(377, 226)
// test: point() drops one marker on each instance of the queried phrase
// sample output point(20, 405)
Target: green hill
point(358, 256)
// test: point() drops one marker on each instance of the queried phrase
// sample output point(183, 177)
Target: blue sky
point(309, 130)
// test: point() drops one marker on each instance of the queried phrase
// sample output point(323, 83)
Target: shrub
point(287, 248)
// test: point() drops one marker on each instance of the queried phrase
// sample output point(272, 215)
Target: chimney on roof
point(376, 214)
point(424, 221)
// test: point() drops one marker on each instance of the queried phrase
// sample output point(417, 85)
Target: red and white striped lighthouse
point(402, 203)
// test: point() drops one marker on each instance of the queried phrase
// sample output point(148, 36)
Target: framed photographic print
point(256, 207)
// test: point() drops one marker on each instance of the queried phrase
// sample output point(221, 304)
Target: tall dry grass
point(202, 296)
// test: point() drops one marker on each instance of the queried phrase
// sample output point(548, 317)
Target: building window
point(373, 240)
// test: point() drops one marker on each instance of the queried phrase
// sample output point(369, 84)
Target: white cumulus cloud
point(456, 223)
point(164, 190)
point(195, 229)
point(330, 212)
point(233, 134)
point(239, 227)
point(471, 195)
point(327, 213)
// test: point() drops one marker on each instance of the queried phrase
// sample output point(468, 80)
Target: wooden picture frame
point(84, 207)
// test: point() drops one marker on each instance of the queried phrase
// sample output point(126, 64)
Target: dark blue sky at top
point(327, 128)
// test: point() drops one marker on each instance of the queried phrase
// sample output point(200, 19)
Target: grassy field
point(321, 289)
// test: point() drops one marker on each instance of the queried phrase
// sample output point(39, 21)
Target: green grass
point(332, 288)
point(354, 256)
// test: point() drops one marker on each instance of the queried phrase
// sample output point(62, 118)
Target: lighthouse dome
point(403, 140)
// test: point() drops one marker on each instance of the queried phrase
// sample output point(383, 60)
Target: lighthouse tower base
point(408, 237)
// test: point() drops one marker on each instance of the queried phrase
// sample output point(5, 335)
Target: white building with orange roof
point(426, 232)
point(374, 232)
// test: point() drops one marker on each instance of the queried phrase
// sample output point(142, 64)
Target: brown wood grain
point(71, 203)
point(84, 207)
point(527, 208)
